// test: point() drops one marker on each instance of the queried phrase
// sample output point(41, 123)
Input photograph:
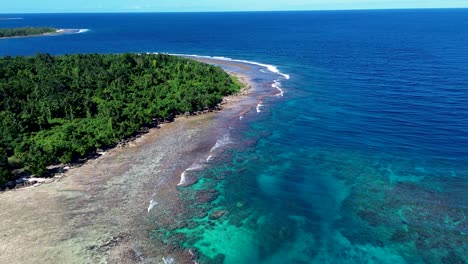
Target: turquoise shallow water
point(363, 160)
point(316, 205)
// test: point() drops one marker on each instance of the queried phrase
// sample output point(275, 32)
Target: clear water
point(364, 159)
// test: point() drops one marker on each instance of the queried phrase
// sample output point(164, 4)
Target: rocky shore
point(104, 210)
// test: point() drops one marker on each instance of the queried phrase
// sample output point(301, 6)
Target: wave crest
point(225, 140)
point(259, 105)
point(152, 204)
point(270, 67)
point(183, 176)
point(277, 84)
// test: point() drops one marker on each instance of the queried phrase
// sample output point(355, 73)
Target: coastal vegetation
point(25, 31)
point(57, 109)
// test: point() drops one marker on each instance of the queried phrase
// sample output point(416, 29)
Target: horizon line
point(236, 11)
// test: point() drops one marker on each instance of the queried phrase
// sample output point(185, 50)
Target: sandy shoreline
point(100, 212)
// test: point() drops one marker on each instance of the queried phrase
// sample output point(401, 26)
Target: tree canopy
point(25, 31)
point(59, 108)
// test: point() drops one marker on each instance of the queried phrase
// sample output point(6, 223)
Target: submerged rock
point(218, 259)
point(218, 214)
point(452, 258)
point(206, 196)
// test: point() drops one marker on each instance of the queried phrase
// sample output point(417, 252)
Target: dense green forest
point(59, 108)
point(25, 31)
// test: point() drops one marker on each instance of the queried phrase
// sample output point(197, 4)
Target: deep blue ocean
point(363, 160)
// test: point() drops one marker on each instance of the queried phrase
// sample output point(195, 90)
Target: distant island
point(10, 18)
point(25, 31)
point(57, 109)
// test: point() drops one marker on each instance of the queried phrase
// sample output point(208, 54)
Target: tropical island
point(58, 109)
point(25, 31)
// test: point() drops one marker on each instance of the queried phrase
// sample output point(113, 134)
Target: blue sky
point(33, 6)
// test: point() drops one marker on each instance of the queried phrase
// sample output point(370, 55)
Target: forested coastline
point(57, 109)
point(25, 31)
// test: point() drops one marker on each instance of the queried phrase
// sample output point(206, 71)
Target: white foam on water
point(168, 260)
point(195, 166)
point(275, 70)
point(72, 30)
point(225, 140)
point(192, 255)
point(209, 158)
point(152, 204)
point(277, 85)
point(183, 178)
point(258, 107)
point(270, 67)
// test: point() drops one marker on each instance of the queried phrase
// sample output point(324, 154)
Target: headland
point(26, 32)
point(105, 209)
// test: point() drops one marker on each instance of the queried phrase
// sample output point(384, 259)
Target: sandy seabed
point(104, 211)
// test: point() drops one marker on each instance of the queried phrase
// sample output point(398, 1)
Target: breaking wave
point(225, 140)
point(259, 105)
point(183, 176)
point(271, 68)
